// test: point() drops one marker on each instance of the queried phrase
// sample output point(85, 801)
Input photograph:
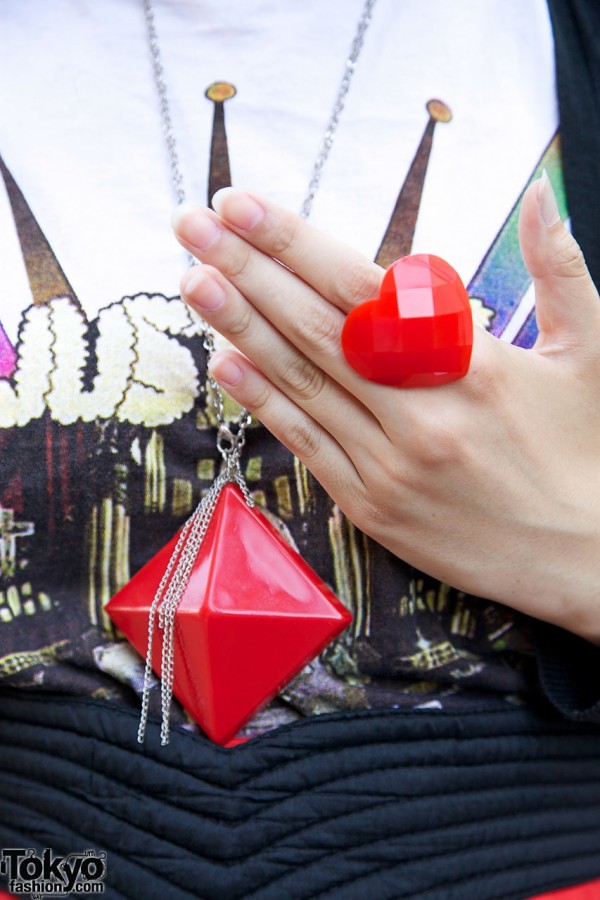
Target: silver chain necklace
point(330, 130)
point(230, 440)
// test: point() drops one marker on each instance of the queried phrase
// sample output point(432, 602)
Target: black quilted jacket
point(495, 805)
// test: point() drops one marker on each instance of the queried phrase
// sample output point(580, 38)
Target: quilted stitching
point(378, 805)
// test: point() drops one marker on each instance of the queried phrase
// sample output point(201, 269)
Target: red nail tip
point(252, 616)
point(418, 332)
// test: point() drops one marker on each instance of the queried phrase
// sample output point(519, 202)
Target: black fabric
point(495, 805)
point(569, 667)
point(569, 670)
point(576, 27)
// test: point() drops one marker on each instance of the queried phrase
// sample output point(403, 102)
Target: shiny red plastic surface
point(418, 332)
point(252, 615)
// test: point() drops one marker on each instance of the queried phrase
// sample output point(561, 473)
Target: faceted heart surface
point(252, 615)
point(418, 332)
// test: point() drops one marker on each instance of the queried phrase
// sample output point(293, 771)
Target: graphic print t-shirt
point(107, 436)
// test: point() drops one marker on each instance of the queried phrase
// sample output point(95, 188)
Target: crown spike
point(46, 277)
point(219, 175)
point(398, 238)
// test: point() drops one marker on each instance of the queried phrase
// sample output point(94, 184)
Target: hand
point(490, 483)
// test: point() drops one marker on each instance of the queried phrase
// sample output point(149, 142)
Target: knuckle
point(388, 480)
point(437, 443)
point(302, 436)
point(240, 323)
point(320, 330)
point(440, 447)
point(372, 517)
point(237, 264)
point(387, 468)
point(568, 261)
point(260, 397)
point(371, 510)
point(486, 378)
point(304, 378)
point(354, 282)
point(283, 237)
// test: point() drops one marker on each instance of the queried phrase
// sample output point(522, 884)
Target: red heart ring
point(418, 332)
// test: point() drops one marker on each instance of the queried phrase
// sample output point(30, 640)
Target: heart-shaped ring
point(418, 332)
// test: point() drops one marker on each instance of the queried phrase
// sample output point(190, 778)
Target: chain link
point(165, 110)
point(158, 74)
point(334, 119)
point(230, 438)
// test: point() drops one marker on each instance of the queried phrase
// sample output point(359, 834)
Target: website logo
point(26, 872)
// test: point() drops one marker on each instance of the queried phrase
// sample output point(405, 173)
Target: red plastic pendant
point(418, 332)
point(252, 615)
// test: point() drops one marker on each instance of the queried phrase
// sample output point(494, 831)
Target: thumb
point(566, 302)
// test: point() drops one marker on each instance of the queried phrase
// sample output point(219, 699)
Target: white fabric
point(81, 133)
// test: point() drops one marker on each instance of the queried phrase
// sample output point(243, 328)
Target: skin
point(490, 483)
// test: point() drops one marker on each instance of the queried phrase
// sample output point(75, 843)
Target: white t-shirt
point(80, 123)
point(81, 134)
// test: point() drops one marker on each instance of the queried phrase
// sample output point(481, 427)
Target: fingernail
point(195, 226)
point(202, 290)
point(224, 370)
point(237, 208)
point(547, 201)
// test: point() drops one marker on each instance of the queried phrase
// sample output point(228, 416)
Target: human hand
point(490, 483)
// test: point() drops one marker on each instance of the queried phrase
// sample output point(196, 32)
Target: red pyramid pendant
point(252, 615)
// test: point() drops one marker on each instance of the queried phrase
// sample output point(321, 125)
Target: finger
point(567, 303)
point(292, 426)
point(304, 383)
point(296, 310)
point(335, 271)
point(314, 327)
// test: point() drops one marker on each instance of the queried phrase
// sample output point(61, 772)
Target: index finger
point(337, 272)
